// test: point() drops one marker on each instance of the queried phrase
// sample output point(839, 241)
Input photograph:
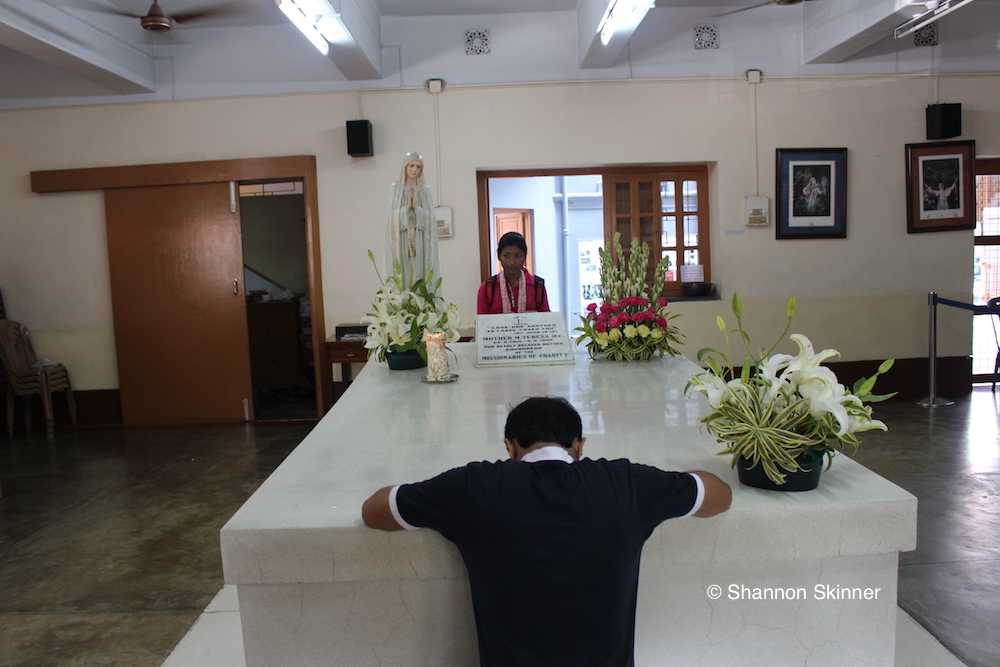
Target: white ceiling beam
point(835, 30)
point(594, 54)
point(359, 55)
point(44, 33)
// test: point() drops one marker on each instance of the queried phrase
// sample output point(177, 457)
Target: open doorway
point(516, 220)
point(276, 277)
point(986, 271)
point(564, 215)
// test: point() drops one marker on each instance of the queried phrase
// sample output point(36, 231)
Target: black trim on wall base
point(101, 407)
point(911, 377)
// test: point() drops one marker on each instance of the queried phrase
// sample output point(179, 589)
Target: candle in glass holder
point(437, 357)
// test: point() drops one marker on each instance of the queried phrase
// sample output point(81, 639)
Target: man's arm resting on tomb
point(377, 512)
point(718, 494)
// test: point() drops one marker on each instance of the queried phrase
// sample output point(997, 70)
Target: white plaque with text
point(522, 339)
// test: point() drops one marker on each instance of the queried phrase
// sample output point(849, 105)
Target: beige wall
point(864, 295)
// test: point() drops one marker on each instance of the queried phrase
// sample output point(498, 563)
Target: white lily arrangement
point(400, 317)
point(781, 407)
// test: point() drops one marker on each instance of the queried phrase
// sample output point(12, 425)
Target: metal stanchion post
point(932, 400)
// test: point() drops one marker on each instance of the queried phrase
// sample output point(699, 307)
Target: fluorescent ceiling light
point(934, 11)
point(333, 29)
point(317, 20)
point(622, 15)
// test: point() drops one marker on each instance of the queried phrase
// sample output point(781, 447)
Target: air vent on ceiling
point(706, 37)
point(477, 42)
point(926, 36)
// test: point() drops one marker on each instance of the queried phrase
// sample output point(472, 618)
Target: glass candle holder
point(437, 357)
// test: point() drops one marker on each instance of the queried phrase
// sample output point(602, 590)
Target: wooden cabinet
point(344, 351)
point(275, 352)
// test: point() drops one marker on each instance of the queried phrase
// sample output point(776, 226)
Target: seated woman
point(513, 290)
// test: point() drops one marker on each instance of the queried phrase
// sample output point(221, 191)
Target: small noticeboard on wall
point(522, 339)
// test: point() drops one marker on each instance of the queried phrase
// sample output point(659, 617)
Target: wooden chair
point(26, 376)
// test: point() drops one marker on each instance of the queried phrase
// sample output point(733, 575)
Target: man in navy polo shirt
point(551, 542)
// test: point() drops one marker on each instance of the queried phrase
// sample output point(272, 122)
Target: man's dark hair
point(514, 239)
point(544, 419)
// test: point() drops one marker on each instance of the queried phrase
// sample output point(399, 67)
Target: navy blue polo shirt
point(552, 549)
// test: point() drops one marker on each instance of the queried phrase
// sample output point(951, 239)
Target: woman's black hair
point(514, 239)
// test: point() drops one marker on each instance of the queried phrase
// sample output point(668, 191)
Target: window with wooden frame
point(666, 207)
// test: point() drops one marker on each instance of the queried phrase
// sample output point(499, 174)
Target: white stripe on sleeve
point(697, 501)
point(395, 508)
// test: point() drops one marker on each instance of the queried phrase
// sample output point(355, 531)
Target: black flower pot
point(404, 361)
point(806, 479)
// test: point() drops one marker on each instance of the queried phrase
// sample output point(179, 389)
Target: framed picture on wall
point(940, 186)
point(811, 193)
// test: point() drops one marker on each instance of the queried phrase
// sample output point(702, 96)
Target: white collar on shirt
point(548, 453)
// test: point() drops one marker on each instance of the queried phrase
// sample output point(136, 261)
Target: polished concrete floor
point(109, 545)
point(949, 458)
point(109, 540)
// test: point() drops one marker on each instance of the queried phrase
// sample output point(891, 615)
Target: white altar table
point(779, 579)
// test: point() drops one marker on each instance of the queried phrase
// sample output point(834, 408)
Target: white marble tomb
point(316, 587)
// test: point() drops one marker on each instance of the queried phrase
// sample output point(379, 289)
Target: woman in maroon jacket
point(513, 290)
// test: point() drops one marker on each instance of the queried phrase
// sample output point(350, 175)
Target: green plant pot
point(404, 361)
point(806, 479)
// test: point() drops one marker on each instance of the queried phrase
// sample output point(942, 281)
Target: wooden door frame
point(294, 167)
point(487, 254)
point(528, 216)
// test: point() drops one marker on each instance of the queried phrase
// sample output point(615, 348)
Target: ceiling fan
point(769, 2)
point(157, 21)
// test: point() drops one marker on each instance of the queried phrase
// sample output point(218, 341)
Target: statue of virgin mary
point(411, 226)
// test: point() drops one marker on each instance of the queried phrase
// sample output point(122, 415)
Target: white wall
point(864, 295)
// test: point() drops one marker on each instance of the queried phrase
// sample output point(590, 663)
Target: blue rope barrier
point(978, 310)
point(932, 400)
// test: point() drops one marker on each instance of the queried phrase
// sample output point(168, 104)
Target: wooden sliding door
point(175, 248)
point(176, 263)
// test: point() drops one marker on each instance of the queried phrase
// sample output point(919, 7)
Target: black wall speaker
point(359, 138)
point(944, 121)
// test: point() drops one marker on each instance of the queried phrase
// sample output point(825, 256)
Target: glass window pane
point(671, 274)
point(622, 199)
point(668, 200)
point(690, 230)
point(690, 191)
point(691, 256)
point(985, 273)
point(668, 239)
point(985, 328)
point(624, 226)
point(647, 230)
point(988, 205)
point(646, 197)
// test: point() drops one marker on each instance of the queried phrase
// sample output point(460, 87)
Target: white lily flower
point(806, 360)
point(770, 369)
